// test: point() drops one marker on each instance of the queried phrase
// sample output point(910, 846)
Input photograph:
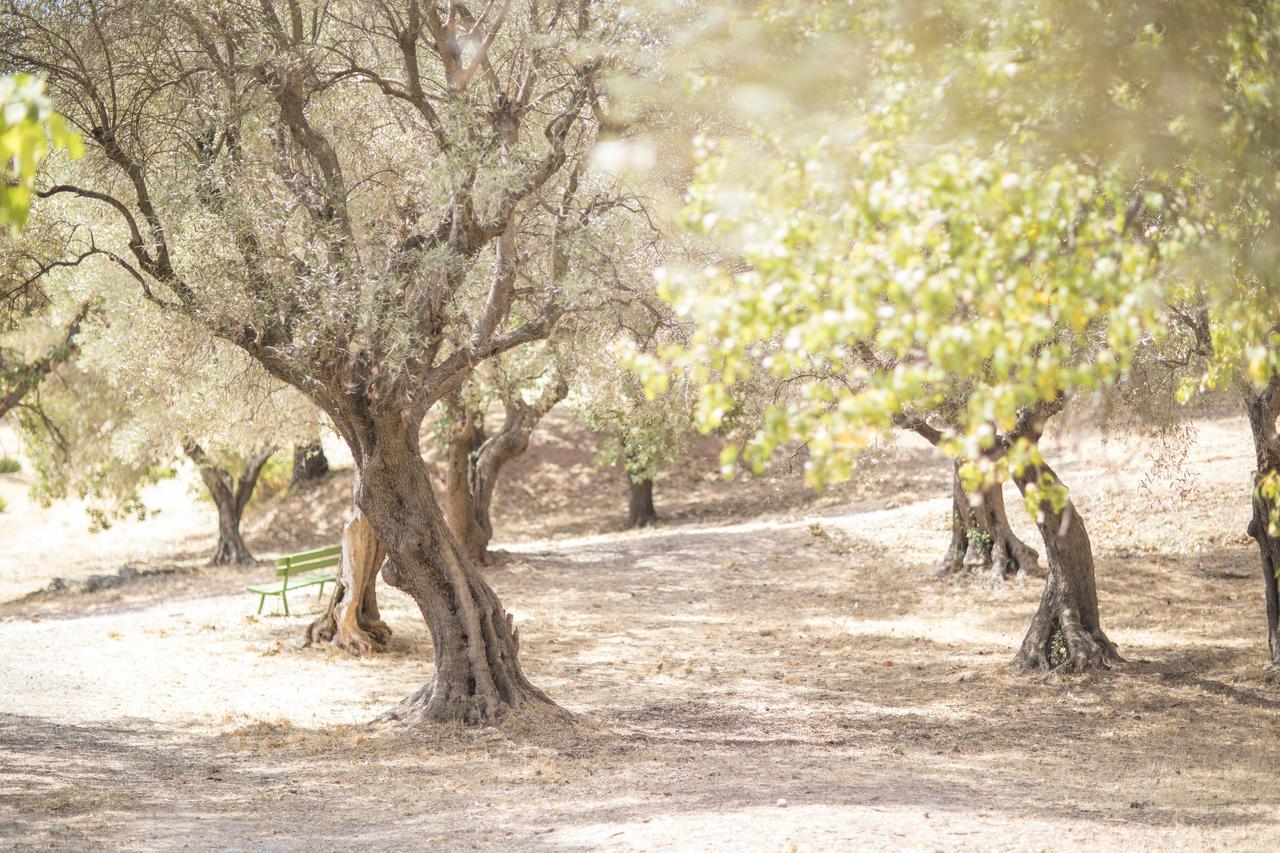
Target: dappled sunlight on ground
point(756, 683)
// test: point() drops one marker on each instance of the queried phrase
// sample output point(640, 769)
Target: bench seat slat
point(313, 553)
point(303, 566)
point(296, 582)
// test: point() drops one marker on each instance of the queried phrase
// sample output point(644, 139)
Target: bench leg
point(262, 599)
point(285, 598)
point(320, 594)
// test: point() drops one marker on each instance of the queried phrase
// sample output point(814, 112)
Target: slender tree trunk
point(1066, 632)
point(352, 621)
point(477, 670)
point(1262, 409)
point(981, 538)
point(476, 460)
point(230, 495)
point(640, 511)
point(309, 464)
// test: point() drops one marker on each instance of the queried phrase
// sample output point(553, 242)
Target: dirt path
point(786, 682)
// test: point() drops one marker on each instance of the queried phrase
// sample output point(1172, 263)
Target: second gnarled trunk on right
point(1262, 408)
point(1066, 632)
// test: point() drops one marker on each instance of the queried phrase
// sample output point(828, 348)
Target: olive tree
point(910, 256)
point(343, 191)
point(139, 400)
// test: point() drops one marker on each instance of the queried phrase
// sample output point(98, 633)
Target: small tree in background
point(527, 384)
point(137, 402)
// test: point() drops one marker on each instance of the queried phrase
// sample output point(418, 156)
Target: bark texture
point(640, 510)
point(476, 461)
point(1262, 409)
point(981, 538)
point(351, 621)
point(1066, 633)
point(477, 670)
point(309, 464)
point(230, 495)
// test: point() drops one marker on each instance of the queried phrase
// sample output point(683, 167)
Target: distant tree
point(111, 426)
point(476, 455)
point(309, 463)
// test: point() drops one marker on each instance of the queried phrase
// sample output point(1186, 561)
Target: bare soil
point(767, 670)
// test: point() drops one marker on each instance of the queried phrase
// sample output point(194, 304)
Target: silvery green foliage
point(118, 418)
point(368, 201)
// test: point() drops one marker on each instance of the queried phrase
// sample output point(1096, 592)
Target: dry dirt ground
point(767, 670)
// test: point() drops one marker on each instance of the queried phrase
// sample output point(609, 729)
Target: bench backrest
point(307, 561)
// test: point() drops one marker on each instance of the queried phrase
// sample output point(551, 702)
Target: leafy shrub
point(9, 465)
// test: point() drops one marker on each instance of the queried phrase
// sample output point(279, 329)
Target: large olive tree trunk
point(981, 538)
point(230, 495)
point(352, 621)
point(640, 509)
point(477, 670)
point(476, 460)
point(1262, 409)
point(1066, 632)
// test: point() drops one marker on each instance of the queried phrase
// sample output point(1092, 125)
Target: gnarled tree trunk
point(1066, 632)
point(640, 511)
point(230, 495)
point(309, 464)
point(981, 538)
point(1263, 408)
point(477, 676)
point(351, 621)
point(476, 460)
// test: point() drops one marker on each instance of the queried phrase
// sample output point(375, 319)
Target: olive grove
point(978, 213)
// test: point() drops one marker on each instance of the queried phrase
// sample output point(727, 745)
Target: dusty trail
point(755, 683)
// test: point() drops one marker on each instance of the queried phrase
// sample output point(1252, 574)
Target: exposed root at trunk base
point(1270, 673)
point(434, 704)
point(351, 621)
point(1064, 636)
point(1075, 651)
point(232, 551)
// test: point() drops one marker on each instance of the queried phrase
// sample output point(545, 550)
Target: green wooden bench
point(301, 570)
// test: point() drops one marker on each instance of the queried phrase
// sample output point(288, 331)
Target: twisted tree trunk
point(1262, 409)
point(640, 510)
point(230, 495)
point(351, 620)
point(477, 671)
point(476, 460)
point(1066, 633)
point(981, 538)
